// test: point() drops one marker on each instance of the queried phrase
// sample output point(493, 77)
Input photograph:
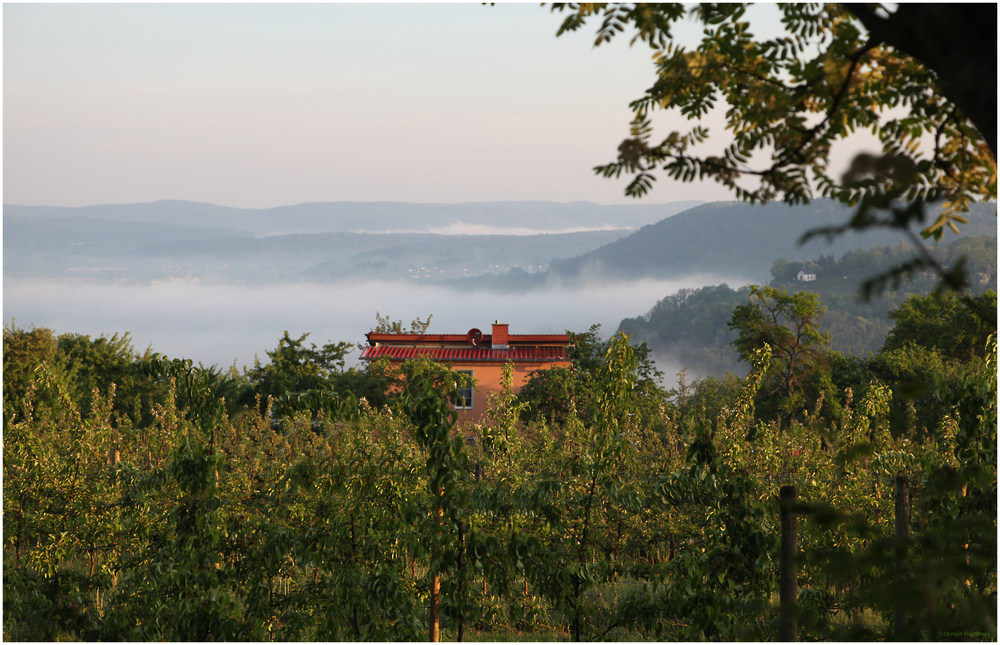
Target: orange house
point(481, 355)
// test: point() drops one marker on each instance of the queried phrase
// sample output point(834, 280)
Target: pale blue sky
point(262, 105)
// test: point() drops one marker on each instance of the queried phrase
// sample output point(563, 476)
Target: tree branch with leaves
point(910, 74)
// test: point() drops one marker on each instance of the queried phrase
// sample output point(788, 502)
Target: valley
point(217, 285)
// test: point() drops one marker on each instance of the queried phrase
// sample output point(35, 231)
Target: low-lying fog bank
point(222, 325)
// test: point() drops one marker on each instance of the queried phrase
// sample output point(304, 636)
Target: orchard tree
point(920, 77)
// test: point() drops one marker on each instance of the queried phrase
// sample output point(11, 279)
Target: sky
point(261, 105)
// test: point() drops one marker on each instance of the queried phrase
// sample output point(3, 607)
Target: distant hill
point(191, 241)
point(371, 217)
point(56, 232)
point(323, 242)
point(734, 238)
point(102, 250)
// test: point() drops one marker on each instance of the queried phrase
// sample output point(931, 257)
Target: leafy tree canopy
point(388, 326)
point(558, 393)
point(296, 367)
point(25, 354)
point(957, 327)
point(789, 324)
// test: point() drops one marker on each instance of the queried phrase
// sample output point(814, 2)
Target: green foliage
point(551, 395)
point(706, 398)
point(198, 522)
point(943, 577)
point(420, 373)
point(294, 367)
point(96, 365)
point(299, 378)
point(373, 383)
point(955, 326)
point(316, 401)
point(913, 373)
point(789, 325)
point(447, 471)
point(934, 339)
point(26, 354)
point(192, 600)
point(560, 394)
point(196, 389)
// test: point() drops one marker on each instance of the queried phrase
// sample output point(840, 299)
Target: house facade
point(481, 355)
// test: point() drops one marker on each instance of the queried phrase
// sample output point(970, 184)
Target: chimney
point(500, 336)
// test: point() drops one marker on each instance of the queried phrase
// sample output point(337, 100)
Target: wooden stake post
point(789, 585)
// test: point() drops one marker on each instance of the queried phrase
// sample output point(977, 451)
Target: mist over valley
point(227, 324)
point(220, 285)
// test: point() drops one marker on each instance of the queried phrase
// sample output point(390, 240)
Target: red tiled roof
point(467, 354)
point(461, 338)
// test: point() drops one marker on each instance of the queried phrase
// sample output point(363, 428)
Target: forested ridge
point(146, 498)
point(739, 239)
point(690, 328)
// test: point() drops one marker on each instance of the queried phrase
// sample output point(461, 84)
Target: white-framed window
point(463, 400)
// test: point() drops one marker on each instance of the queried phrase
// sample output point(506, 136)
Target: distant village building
point(481, 355)
point(806, 277)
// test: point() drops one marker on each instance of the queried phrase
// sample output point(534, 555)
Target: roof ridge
point(471, 353)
